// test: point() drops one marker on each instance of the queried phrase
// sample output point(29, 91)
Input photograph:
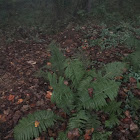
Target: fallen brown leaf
point(134, 127)
point(49, 64)
point(11, 97)
point(20, 101)
point(87, 137)
point(132, 80)
point(37, 123)
point(127, 114)
point(2, 118)
point(73, 134)
point(49, 94)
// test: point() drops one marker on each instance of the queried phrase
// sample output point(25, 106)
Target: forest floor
point(21, 92)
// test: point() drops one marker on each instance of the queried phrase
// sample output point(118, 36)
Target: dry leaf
point(127, 120)
point(125, 90)
point(119, 78)
point(132, 80)
point(87, 137)
point(37, 123)
point(11, 97)
point(49, 64)
point(20, 101)
point(134, 127)
point(68, 50)
point(48, 54)
point(31, 62)
point(2, 118)
point(32, 105)
point(49, 94)
point(127, 114)
point(90, 92)
point(66, 82)
point(84, 47)
point(73, 134)
point(40, 138)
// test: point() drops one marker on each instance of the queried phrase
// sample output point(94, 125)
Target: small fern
point(112, 121)
point(83, 120)
point(113, 107)
point(75, 72)
point(26, 128)
point(113, 70)
point(62, 136)
point(62, 94)
point(57, 60)
point(86, 93)
point(101, 136)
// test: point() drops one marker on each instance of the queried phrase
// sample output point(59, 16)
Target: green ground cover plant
point(81, 94)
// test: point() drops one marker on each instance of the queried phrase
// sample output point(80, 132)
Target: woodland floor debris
point(21, 92)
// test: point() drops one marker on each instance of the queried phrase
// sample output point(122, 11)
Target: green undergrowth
point(84, 95)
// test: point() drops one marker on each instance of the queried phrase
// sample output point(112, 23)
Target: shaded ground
point(22, 92)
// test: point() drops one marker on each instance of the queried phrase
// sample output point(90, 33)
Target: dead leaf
point(125, 90)
point(40, 138)
point(127, 114)
point(48, 54)
point(90, 92)
point(134, 127)
point(25, 108)
point(11, 97)
point(49, 94)
point(84, 47)
point(119, 78)
point(132, 80)
point(127, 120)
point(73, 134)
point(37, 123)
point(31, 62)
point(68, 50)
point(32, 105)
point(87, 137)
point(2, 118)
point(49, 64)
point(66, 82)
point(20, 101)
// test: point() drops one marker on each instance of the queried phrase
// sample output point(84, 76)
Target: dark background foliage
point(57, 13)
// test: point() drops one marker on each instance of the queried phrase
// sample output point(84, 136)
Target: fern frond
point(134, 59)
point(112, 121)
point(78, 120)
point(26, 129)
point(52, 79)
point(75, 72)
point(113, 69)
point(101, 136)
point(62, 136)
point(83, 120)
point(92, 122)
point(80, 55)
point(62, 94)
point(57, 60)
point(113, 107)
point(135, 103)
point(103, 89)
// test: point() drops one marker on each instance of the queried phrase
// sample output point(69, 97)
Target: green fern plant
point(134, 58)
point(85, 94)
point(57, 60)
point(27, 129)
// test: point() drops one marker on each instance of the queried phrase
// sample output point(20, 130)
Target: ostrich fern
point(26, 128)
point(86, 93)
